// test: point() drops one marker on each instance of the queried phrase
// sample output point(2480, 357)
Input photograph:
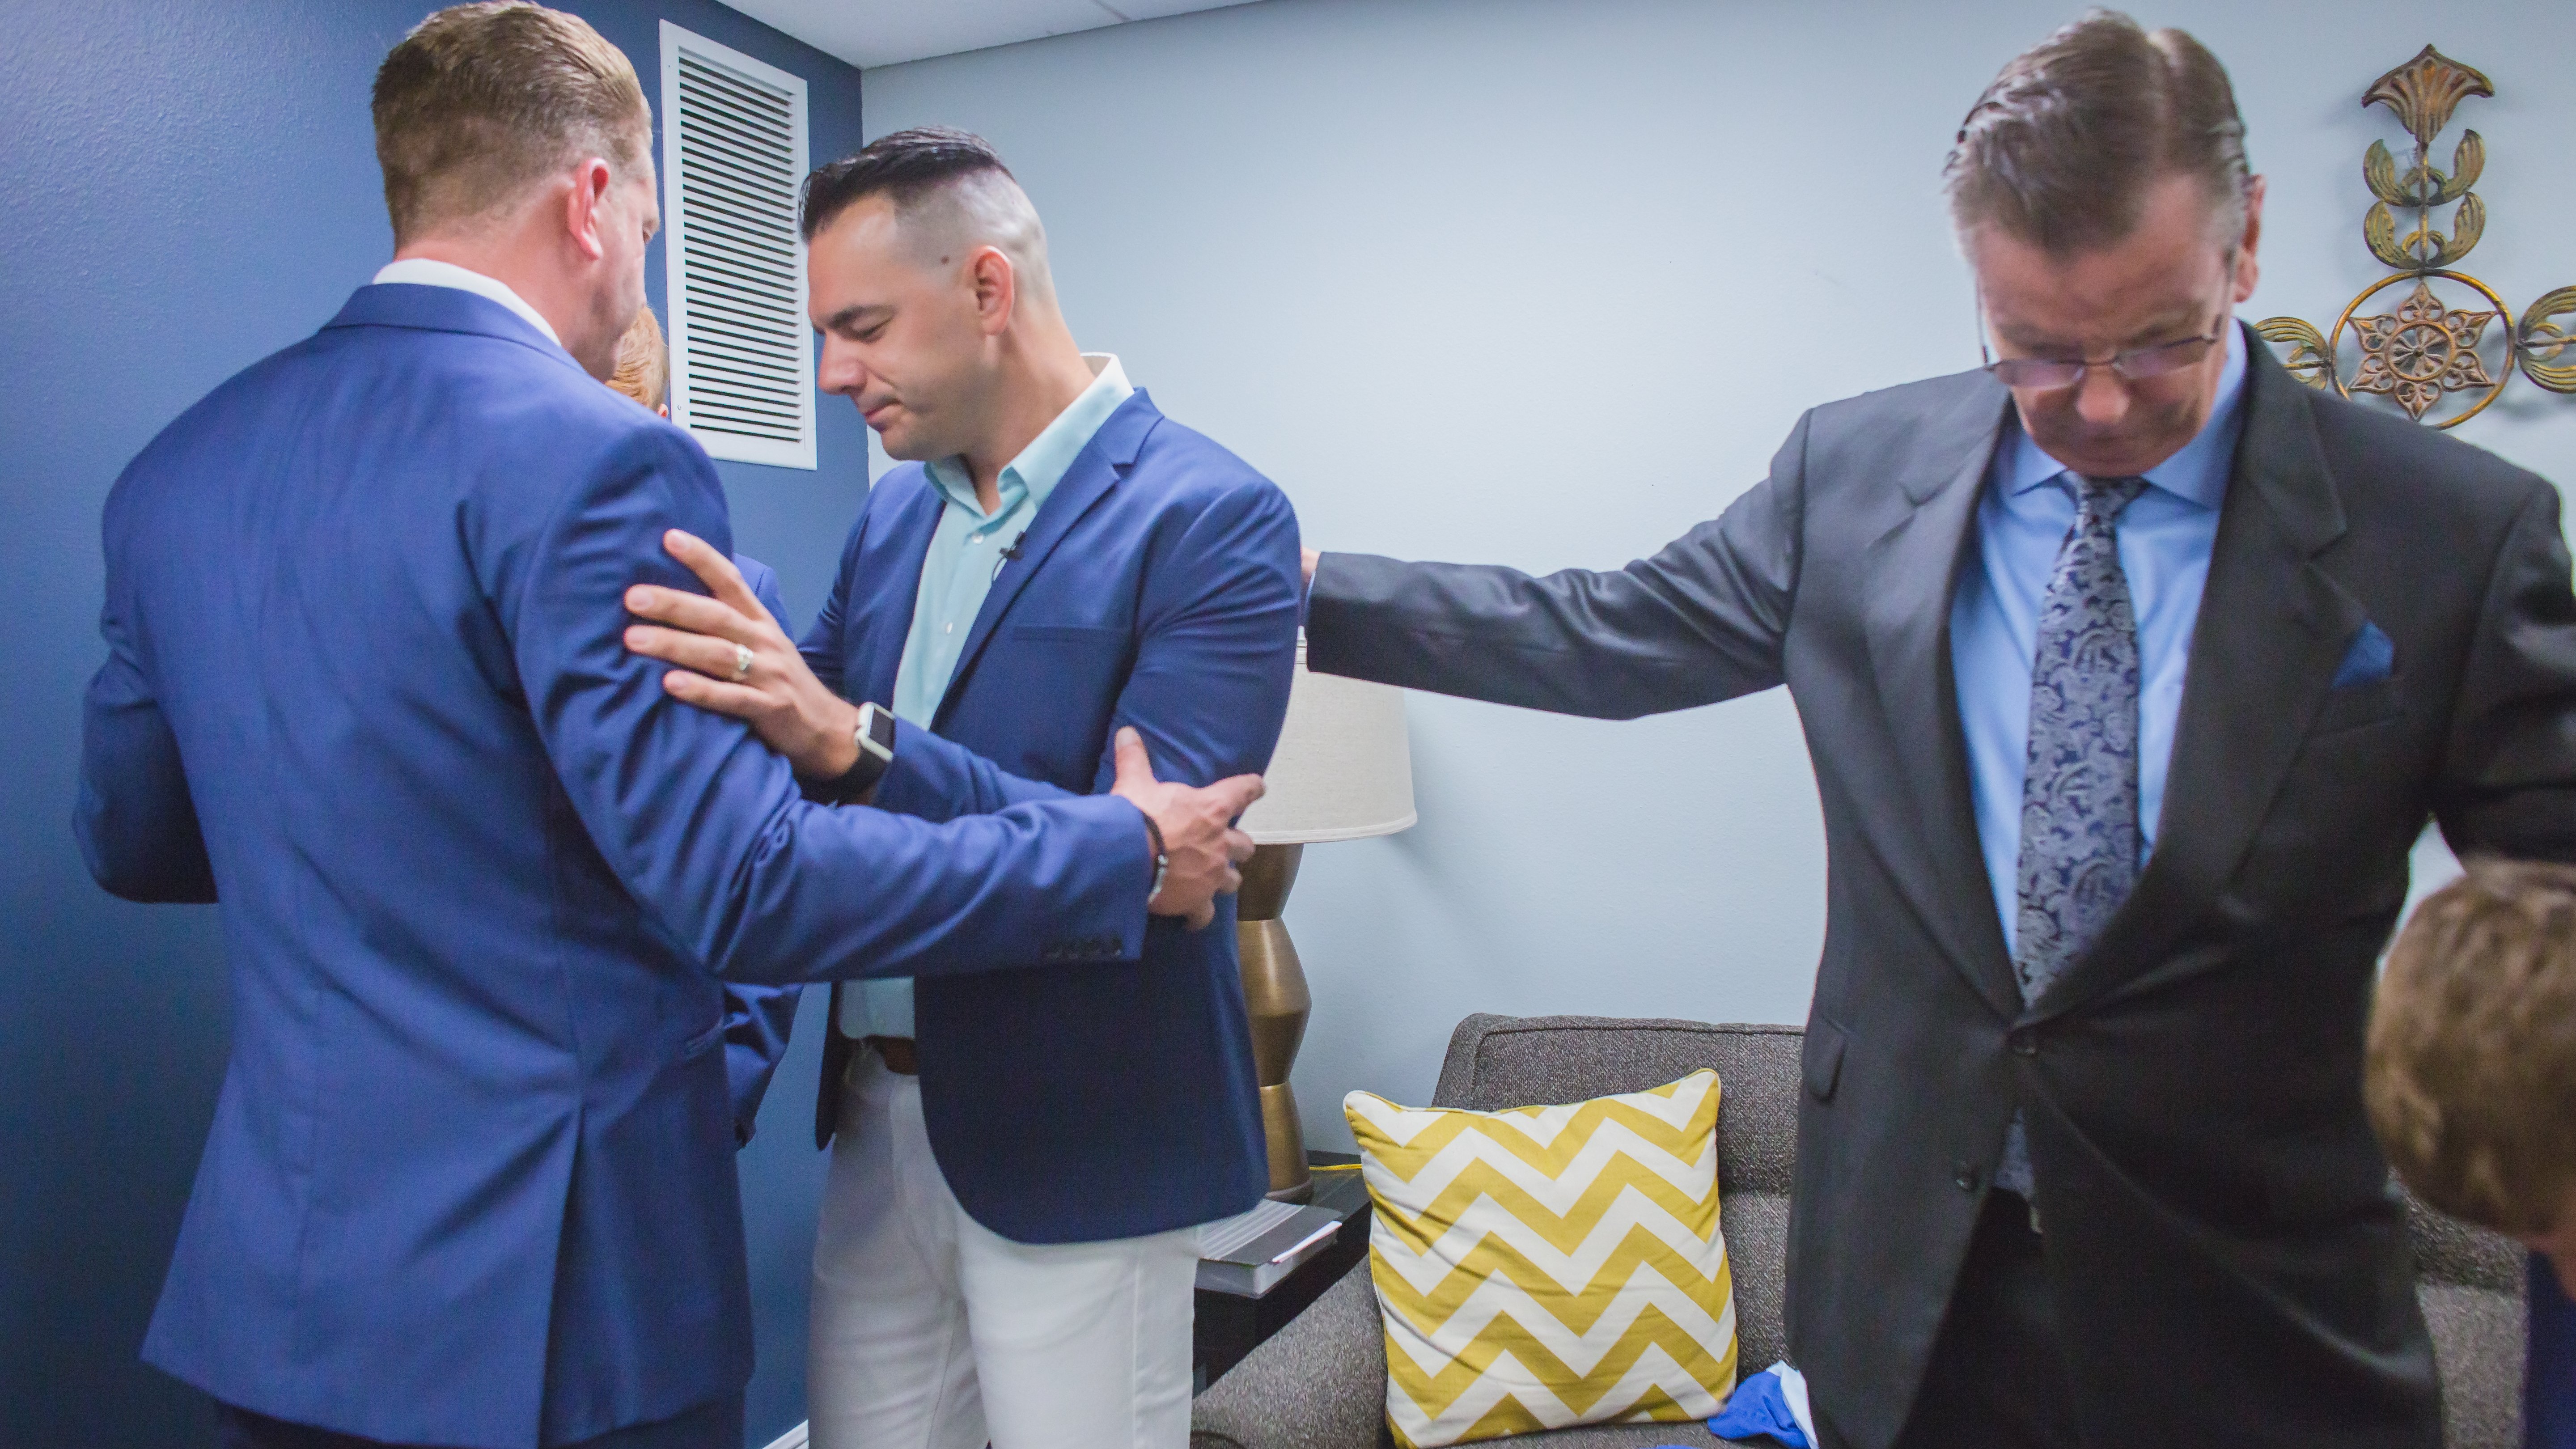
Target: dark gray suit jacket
point(2220, 1230)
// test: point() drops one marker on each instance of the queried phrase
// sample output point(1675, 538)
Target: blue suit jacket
point(757, 1019)
point(470, 1179)
point(1156, 588)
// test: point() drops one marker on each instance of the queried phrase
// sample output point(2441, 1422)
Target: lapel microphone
point(1008, 554)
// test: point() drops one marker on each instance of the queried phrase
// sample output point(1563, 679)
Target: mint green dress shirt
point(965, 556)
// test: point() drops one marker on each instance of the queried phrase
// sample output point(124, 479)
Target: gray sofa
point(1320, 1383)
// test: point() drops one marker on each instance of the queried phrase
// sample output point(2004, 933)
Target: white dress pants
point(930, 1331)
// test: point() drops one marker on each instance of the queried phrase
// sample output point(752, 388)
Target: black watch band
point(875, 739)
point(1162, 859)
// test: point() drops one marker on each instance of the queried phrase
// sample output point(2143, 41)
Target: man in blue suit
point(470, 1177)
point(757, 1019)
point(1006, 1249)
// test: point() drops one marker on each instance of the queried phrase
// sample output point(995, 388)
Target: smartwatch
point(874, 736)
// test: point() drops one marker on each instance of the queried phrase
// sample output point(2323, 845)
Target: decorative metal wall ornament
point(2427, 349)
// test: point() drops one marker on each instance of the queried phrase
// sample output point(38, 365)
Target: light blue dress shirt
point(2165, 540)
point(965, 557)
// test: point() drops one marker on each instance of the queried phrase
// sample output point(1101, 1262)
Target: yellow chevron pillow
point(1547, 1266)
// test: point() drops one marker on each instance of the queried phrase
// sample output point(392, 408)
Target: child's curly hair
point(2472, 1065)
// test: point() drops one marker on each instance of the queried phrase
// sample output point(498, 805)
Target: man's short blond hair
point(643, 361)
point(2472, 1066)
point(482, 101)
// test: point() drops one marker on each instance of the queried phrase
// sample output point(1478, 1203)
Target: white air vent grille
point(733, 155)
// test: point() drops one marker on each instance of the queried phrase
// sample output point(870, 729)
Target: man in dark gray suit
point(2131, 670)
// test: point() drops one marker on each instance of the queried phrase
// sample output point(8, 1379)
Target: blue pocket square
point(2372, 655)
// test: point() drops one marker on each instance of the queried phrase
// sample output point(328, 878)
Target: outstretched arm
point(1702, 621)
point(1216, 643)
point(937, 779)
point(707, 828)
point(735, 661)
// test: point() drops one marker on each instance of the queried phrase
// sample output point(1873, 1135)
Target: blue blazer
point(1156, 588)
point(757, 1019)
point(470, 1179)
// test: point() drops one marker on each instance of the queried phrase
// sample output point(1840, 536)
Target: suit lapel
point(890, 568)
point(1095, 471)
point(889, 571)
point(1913, 571)
point(2272, 630)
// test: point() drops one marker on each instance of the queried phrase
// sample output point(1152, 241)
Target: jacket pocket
point(1066, 633)
point(2358, 706)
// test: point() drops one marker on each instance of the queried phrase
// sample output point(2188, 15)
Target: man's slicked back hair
point(2062, 149)
point(902, 166)
point(481, 101)
point(949, 190)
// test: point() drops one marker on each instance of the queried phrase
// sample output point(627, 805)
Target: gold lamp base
point(1274, 992)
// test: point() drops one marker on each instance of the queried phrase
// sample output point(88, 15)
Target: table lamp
point(1341, 772)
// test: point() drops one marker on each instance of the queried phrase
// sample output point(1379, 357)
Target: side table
point(1230, 1325)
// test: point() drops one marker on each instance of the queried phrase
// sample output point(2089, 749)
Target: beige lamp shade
point(1342, 770)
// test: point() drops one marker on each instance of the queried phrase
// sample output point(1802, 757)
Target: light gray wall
point(1545, 284)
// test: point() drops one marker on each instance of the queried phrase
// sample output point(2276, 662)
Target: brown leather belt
point(897, 1052)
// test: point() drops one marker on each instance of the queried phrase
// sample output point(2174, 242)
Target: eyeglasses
point(2049, 374)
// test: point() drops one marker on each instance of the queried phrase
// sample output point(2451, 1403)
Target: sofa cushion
point(1319, 1383)
point(2477, 1345)
point(1538, 1267)
point(1502, 1061)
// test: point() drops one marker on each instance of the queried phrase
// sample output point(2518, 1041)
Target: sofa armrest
point(1319, 1383)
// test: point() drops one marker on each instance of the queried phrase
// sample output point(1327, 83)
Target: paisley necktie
point(2079, 794)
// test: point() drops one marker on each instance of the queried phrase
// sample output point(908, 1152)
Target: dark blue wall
point(185, 189)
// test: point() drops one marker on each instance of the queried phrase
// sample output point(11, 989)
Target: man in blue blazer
point(757, 1018)
point(470, 1177)
point(1006, 1251)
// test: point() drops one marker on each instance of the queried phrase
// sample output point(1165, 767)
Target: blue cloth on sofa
point(1771, 1402)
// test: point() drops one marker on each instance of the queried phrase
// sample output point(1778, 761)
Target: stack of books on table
point(1248, 1254)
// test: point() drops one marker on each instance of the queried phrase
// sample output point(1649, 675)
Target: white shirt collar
point(422, 272)
point(1051, 454)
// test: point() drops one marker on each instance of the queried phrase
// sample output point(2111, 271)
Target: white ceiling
point(883, 32)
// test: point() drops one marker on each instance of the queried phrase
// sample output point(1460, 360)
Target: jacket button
point(2024, 1042)
point(1963, 1177)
